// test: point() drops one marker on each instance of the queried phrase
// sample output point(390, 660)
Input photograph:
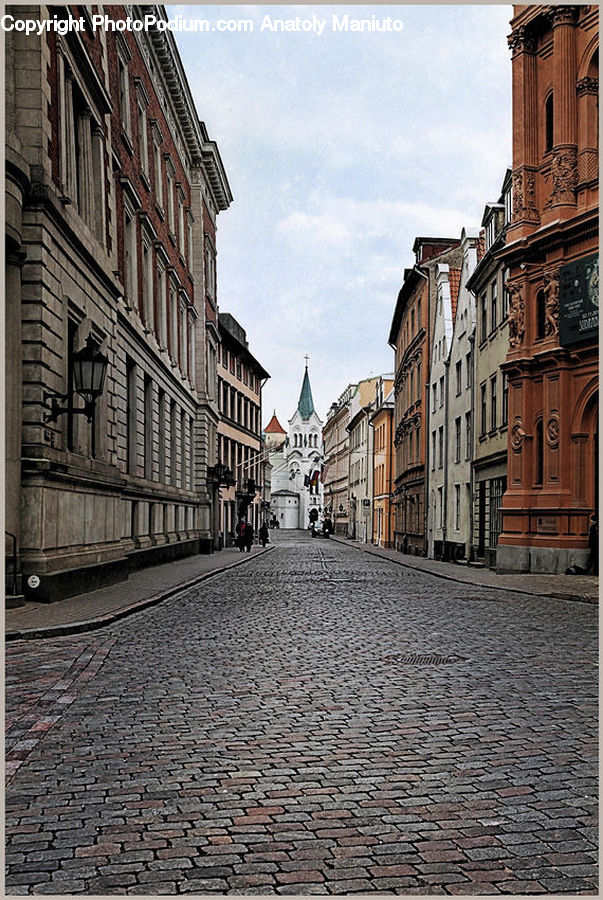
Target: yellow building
point(383, 451)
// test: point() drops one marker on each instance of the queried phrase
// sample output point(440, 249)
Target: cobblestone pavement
point(317, 721)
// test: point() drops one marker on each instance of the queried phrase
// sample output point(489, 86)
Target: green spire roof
point(305, 407)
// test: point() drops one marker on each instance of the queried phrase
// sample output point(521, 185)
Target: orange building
point(383, 450)
point(551, 254)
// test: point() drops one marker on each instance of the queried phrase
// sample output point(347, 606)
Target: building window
point(181, 228)
point(173, 320)
point(457, 439)
point(469, 364)
point(143, 143)
point(131, 430)
point(433, 449)
point(548, 123)
point(493, 306)
point(442, 391)
point(505, 399)
point(161, 305)
point(183, 449)
point(148, 427)
point(493, 411)
point(130, 253)
point(505, 296)
point(173, 444)
point(441, 447)
point(440, 507)
point(148, 303)
point(157, 167)
point(124, 91)
point(468, 436)
point(459, 377)
point(457, 507)
point(484, 316)
point(483, 410)
point(161, 404)
point(434, 395)
point(169, 194)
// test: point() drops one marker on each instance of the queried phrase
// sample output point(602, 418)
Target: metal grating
point(422, 659)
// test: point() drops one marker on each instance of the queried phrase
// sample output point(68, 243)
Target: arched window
point(548, 123)
point(540, 315)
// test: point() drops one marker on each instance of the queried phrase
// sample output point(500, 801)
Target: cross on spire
point(306, 357)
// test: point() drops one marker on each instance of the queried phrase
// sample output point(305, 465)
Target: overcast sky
point(340, 149)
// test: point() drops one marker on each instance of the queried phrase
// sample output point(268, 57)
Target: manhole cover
point(422, 659)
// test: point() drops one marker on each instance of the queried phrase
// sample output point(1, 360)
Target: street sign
point(579, 301)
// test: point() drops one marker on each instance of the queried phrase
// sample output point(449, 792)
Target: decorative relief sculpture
point(524, 195)
point(551, 302)
point(517, 435)
point(552, 432)
point(587, 85)
point(516, 314)
point(563, 15)
point(564, 172)
point(522, 39)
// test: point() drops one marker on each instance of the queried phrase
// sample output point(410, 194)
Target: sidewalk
point(581, 588)
point(145, 587)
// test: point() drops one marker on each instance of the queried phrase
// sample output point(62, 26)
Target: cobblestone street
point(317, 721)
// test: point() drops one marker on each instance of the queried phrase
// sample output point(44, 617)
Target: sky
point(340, 148)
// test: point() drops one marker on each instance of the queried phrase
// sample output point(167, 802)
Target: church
point(296, 460)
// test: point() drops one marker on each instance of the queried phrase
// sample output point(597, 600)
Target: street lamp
point(221, 475)
point(89, 367)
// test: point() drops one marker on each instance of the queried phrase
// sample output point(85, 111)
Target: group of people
point(244, 532)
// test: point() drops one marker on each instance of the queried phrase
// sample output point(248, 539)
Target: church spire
point(305, 406)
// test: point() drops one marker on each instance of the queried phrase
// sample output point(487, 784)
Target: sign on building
point(579, 301)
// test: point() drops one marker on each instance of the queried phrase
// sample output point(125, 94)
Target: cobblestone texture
point(319, 721)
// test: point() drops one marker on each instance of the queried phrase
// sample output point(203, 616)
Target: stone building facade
point(113, 189)
point(551, 252)
point(459, 412)
point(240, 444)
point(337, 465)
point(411, 336)
point(490, 391)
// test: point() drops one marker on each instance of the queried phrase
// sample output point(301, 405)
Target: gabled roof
point(305, 406)
point(274, 426)
point(454, 280)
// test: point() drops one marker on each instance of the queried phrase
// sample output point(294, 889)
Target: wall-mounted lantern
point(89, 367)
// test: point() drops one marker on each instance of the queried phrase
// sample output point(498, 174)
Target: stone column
point(564, 163)
point(525, 125)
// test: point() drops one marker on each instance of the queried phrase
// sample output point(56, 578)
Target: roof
point(454, 280)
point(305, 406)
point(274, 426)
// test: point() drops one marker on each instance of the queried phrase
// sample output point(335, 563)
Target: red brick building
point(551, 252)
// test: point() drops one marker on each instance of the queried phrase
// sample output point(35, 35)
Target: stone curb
point(574, 598)
point(137, 606)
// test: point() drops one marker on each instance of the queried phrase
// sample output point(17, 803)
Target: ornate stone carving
point(517, 435)
point(562, 15)
point(522, 40)
point(516, 314)
point(524, 195)
point(587, 85)
point(552, 432)
point(551, 302)
point(564, 172)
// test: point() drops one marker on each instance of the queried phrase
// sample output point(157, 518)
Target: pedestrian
point(248, 536)
point(327, 527)
point(240, 532)
point(264, 534)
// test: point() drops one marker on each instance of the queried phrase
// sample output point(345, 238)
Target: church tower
point(296, 488)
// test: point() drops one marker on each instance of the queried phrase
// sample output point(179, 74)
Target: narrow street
point(318, 720)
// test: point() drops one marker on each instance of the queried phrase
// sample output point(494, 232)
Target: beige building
point(240, 445)
point(336, 465)
point(113, 188)
point(490, 390)
point(381, 422)
point(360, 461)
point(457, 537)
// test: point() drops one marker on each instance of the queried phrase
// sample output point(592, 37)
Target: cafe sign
point(579, 301)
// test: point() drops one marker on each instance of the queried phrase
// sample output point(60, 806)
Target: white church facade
point(296, 459)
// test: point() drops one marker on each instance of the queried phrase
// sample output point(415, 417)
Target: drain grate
point(422, 659)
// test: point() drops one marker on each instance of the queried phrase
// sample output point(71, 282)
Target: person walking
point(240, 533)
point(248, 536)
point(264, 534)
